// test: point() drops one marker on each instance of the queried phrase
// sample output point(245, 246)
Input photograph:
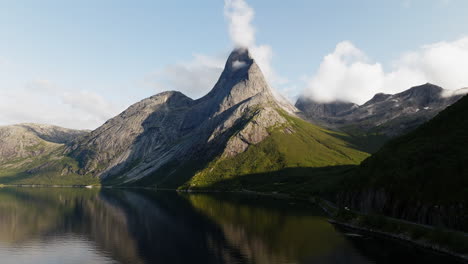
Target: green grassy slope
point(430, 163)
point(296, 155)
point(52, 168)
point(421, 176)
point(280, 154)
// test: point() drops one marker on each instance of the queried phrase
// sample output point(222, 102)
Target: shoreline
point(329, 208)
point(402, 237)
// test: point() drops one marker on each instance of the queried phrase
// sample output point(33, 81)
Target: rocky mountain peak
point(240, 80)
point(239, 58)
point(387, 114)
point(171, 98)
point(426, 88)
point(170, 139)
point(422, 95)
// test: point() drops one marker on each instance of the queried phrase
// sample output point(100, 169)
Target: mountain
point(238, 128)
point(421, 176)
point(320, 112)
point(28, 140)
point(24, 146)
point(385, 114)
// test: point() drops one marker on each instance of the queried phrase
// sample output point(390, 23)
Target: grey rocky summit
point(168, 129)
point(386, 114)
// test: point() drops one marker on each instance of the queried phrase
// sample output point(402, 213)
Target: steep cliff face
point(421, 176)
point(168, 138)
point(149, 124)
point(170, 126)
point(385, 114)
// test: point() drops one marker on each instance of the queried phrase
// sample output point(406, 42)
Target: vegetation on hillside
point(289, 150)
point(49, 169)
point(429, 163)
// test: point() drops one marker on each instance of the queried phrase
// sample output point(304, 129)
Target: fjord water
point(70, 225)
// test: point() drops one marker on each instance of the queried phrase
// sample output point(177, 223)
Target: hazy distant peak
point(427, 88)
point(379, 97)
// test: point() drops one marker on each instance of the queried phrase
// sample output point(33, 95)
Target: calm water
point(136, 226)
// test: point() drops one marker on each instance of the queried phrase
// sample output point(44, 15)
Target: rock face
point(167, 138)
point(172, 128)
point(386, 114)
point(21, 144)
point(170, 139)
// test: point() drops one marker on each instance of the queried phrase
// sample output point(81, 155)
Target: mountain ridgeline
point(384, 116)
point(170, 140)
point(28, 150)
point(240, 136)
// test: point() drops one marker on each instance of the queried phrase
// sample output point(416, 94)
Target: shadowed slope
point(421, 176)
point(384, 116)
point(167, 139)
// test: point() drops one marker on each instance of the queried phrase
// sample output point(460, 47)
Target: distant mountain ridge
point(240, 128)
point(29, 140)
point(421, 176)
point(386, 114)
point(24, 147)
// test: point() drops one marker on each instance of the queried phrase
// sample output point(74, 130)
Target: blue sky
point(81, 62)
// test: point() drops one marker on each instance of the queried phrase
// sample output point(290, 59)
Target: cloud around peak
point(347, 74)
point(240, 15)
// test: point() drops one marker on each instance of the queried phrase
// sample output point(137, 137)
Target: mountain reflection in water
point(71, 225)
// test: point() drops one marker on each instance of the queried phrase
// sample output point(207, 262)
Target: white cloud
point(194, 78)
point(89, 103)
point(348, 74)
point(240, 16)
point(197, 76)
point(42, 101)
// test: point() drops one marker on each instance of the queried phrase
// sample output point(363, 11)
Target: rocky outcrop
point(321, 112)
point(168, 139)
point(19, 143)
point(254, 132)
point(386, 114)
point(54, 134)
point(172, 128)
point(144, 126)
